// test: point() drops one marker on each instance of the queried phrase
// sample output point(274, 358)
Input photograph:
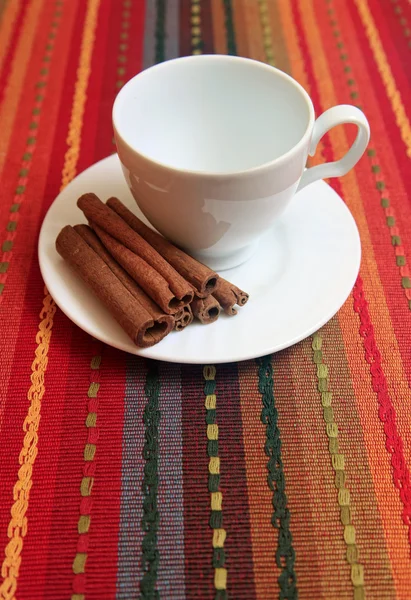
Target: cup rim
point(276, 162)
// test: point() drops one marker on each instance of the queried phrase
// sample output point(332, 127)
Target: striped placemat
point(286, 477)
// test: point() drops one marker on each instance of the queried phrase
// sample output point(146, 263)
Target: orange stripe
point(7, 23)
point(312, 497)
point(395, 190)
point(387, 77)
point(389, 504)
point(277, 37)
point(383, 177)
point(2, 7)
point(17, 529)
point(370, 534)
point(31, 134)
point(396, 531)
point(217, 11)
point(36, 187)
point(14, 88)
point(293, 47)
point(254, 31)
point(240, 28)
point(338, 465)
point(296, 60)
point(263, 535)
point(384, 333)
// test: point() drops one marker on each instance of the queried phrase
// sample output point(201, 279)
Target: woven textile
point(287, 477)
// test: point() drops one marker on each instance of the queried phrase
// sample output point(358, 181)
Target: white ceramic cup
point(214, 147)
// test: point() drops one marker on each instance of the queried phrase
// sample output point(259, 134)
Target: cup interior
point(212, 114)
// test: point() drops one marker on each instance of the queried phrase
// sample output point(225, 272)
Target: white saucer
point(301, 274)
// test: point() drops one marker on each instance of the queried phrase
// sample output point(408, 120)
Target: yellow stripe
point(378, 309)
point(216, 501)
point(219, 536)
point(195, 27)
point(220, 579)
point(216, 497)
point(18, 524)
point(378, 175)
point(214, 465)
point(80, 96)
point(17, 529)
point(385, 72)
point(83, 524)
point(209, 372)
point(267, 34)
point(377, 305)
point(338, 464)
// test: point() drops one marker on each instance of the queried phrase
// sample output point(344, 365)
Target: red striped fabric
point(304, 490)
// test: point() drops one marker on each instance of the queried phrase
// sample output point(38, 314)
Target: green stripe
point(216, 516)
point(151, 418)
point(285, 554)
point(160, 47)
point(229, 28)
point(150, 21)
point(151, 517)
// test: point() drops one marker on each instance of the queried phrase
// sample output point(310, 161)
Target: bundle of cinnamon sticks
point(149, 285)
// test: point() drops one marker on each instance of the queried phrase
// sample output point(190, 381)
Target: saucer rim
point(155, 351)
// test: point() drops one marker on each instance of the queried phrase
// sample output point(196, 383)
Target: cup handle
point(337, 115)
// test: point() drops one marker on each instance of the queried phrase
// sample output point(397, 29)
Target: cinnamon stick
point(183, 318)
point(207, 310)
point(110, 222)
point(200, 276)
point(93, 241)
point(228, 295)
point(125, 308)
point(148, 278)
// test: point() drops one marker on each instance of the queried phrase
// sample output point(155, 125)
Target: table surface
point(285, 477)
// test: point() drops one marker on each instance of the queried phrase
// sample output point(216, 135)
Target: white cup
point(214, 147)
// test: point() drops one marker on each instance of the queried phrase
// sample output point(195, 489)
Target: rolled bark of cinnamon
point(200, 276)
point(151, 307)
point(122, 305)
point(109, 221)
point(207, 310)
point(183, 318)
point(148, 278)
point(228, 295)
